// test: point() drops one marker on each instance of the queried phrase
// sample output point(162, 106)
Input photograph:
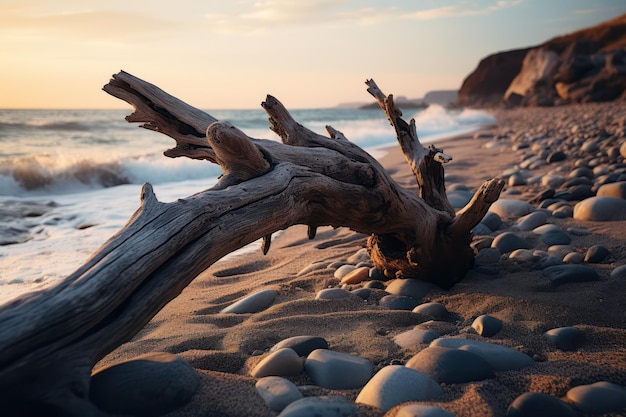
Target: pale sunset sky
point(231, 53)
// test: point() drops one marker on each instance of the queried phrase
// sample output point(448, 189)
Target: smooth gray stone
point(524, 255)
point(501, 358)
point(601, 209)
point(556, 237)
point(459, 198)
point(327, 406)
point(509, 241)
point(302, 345)
point(615, 189)
point(396, 384)
point(563, 212)
point(414, 337)
point(601, 397)
point(516, 179)
point(536, 404)
point(563, 274)
point(377, 275)
point(450, 366)
point(540, 230)
point(398, 302)
point(487, 325)
point(436, 311)
point(281, 362)
point(506, 208)
point(377, 285)
point(149, 385)
point(331, 294)
point(581, 172)
point(556, 157)
point(532, 220)
point(487, 256)
point(481, 230)
point(414, 288)
point(337, 370)
point(574, 258)
point(364, 293)
point(549, 261)
point(420, 410)
point(596, 254)
point(343, 270)
point(619, 272)
point(565, 338)
point(277, 392)
point(492, 221)
point(252, 303)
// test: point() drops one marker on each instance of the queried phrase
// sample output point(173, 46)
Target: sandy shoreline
point(223, 348)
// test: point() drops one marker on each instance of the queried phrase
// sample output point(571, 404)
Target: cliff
point(583, 66)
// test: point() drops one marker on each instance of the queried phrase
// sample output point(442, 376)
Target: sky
point(218, 54)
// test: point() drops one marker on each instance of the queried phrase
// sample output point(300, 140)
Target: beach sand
point(223, 348)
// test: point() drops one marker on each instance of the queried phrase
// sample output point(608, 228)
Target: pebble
point(343, 270)
point(302, 345)
point(552, 181)
point(536, 404)
point(486, 325)
point(362, 255)
point(487, 256)
point(596, 254)
point(523, 255)
point(565, 338)
point(563, 274)
point(556, 157)
point(619, 272)
point(436, 311)
point(501, 358)
point(398, 302)
point(598, 398)
point(574, 258)
point(481, 230)
point(396, 384)
point(555, 237)
point(509, 241)
point(420, 410)
point(578, 231)
point(149, 385)
point(410, 287)
point(337, 370)
point(507, 208)
point(281, 362)
point(331, 294)
point(492, 220)
point(601, 209)
point(377, 285)
point(563, 212)
point(377, 275)
point(532, 220)
point(252, 303)
point(414, 337)
point(364, 293)
point(615, 189)
point(450, 366)
point(549, 261)
point(559, 250)
point(327, 406)
point(459, 198)
point(277, 392)
point(356, 275)
point(540, 230)
point(516, 179)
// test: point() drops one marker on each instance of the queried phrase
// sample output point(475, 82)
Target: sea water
point(70, 179)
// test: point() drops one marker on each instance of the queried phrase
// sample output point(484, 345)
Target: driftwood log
point(49, 341)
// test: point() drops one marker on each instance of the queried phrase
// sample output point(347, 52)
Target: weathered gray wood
point(49, 341)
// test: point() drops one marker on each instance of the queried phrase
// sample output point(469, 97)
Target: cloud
point(461, 10)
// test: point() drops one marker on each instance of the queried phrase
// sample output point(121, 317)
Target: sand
point(223, 348)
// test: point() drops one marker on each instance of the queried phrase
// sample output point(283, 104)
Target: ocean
point(70, 179)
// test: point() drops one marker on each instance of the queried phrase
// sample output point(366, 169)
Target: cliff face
point(587, 65)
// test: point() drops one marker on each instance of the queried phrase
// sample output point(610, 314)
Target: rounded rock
point(252, 303)
point(601, 209)
point(450, 366)
point(487, 325)
point(396, 384)
point(509, 241)
point(492, 221)
point(277, 392)
point(501, 358)
point(414, 337)
point(507, 208)
point(565, 338)
point(302, 345)
point(596, 254)
point(398, 302)
point(420, 410)
point(327, 406)
point(356, 275)
point(574, 258)
point(536, 404)
point(149, 385)
point(487, 256)
point(532, 221)
point(436, 311)
point(601, 397)
point(568, 273)
point(615, 189)
point(337, 370)
point(556, 237)
point(619, 272)
point(414, 288)
point(282, 362)
point(343, 270)
point(331, 294)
